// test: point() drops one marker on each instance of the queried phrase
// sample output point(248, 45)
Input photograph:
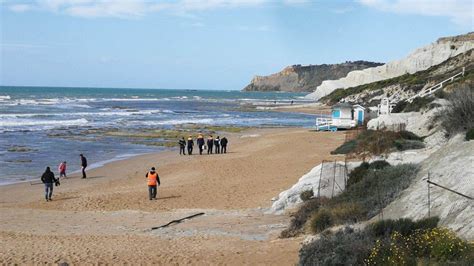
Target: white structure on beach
point(343, 116)
point(385, 107)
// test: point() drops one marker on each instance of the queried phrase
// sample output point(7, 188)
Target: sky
point(208, 44)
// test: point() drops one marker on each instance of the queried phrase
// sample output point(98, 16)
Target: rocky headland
point(298, 78)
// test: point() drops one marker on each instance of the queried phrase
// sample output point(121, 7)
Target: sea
point(43, 126)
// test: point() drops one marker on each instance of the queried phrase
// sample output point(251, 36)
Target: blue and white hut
point(343, 116)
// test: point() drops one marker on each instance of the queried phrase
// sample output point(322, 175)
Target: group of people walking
point(217, 144)
point(49, 180)
point(213, 145)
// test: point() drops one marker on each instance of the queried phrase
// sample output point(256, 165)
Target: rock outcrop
point(421, 59)
point(449, 166)
point(298, 78)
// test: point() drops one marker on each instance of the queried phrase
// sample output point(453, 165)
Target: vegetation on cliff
point(409, 83)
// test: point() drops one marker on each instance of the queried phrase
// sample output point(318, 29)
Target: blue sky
point(208, 44)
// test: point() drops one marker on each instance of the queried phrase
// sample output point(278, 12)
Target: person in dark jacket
point(200, 143)
point(190, 145)
point(182, 145)
point(217, 143)
point(210, 144)
point(153, 179)
point(48, 179)
point(83, 165)
point(224, 142)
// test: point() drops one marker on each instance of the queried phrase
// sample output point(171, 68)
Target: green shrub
point(440, 94)
point(379, 164)
point(358, 173)
point(470, 134)
point(409, 135)
point(346, 147)
point(417, 104)
point(345, 247)
point(376, 142)
point(321, 220)
point(361, 200)
point(389, 242)
point(442, 244)
point(300, 217)
point(378, 188)
point(402, 144)
point(306, 195)
point(399, 107)
point(403, 226)
point(437, 246)
point(459, 114)
point(347, 213)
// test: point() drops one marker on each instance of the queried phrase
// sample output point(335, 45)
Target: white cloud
point(20, 7)
point(296, 2)
point(459, 11)
point(130, 8)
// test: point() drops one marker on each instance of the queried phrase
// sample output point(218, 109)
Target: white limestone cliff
point(421, 59)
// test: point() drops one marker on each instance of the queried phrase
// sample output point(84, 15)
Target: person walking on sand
point(83, 165)
point(190, 145)
point(62, 169)
point(224, 142)
point(182, 145)
point(210, 144)
point(48, 179)
point(153, 179)
point(200, 143)
point(217, 143)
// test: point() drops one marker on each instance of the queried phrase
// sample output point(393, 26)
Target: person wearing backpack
point(153, 180)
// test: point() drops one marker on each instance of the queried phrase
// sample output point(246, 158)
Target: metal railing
point(433, 89)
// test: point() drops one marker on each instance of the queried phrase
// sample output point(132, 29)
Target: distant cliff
point(298, 78)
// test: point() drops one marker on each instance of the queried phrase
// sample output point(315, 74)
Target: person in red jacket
point(62, 169)
point(153, 179)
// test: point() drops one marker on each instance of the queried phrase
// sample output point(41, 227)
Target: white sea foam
point(182, 121)
point(4, 97)
point(31, 122)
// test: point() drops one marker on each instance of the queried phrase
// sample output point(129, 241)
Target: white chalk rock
point(421, 59)
point(290, 198)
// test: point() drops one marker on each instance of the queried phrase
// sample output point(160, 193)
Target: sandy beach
point(107, 217)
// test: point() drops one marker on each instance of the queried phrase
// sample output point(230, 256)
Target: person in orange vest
point(153, 179)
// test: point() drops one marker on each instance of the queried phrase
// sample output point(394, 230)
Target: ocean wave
point(124, 112)
point(31, 122)
point(171, 122)
point(4, 97)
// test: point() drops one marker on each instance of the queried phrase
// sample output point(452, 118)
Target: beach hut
point(359, 114)
point(343, 116)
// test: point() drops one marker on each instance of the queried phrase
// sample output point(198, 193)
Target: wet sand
point(107, 217)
